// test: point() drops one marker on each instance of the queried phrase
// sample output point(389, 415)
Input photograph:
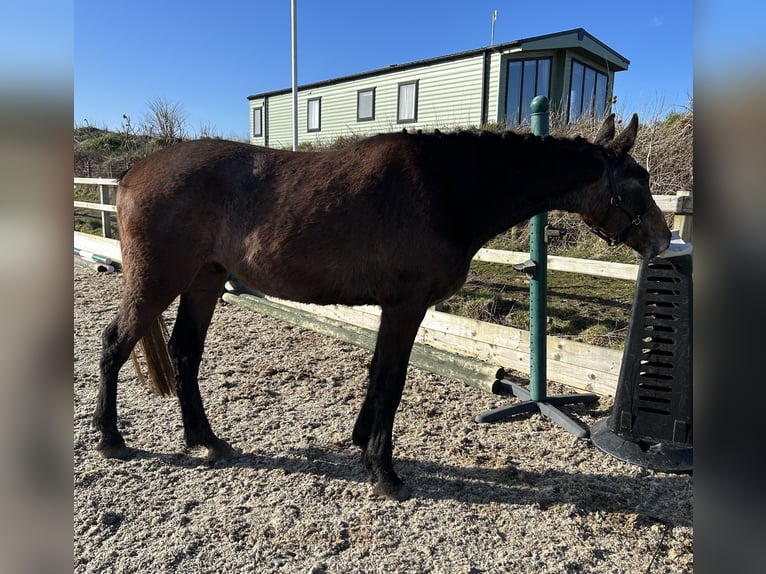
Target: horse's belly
point(305, 287)
point(347, 275)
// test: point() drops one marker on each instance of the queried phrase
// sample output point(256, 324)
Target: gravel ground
point(518, 496)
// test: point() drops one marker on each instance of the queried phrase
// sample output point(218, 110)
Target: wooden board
point(625, 271)
point(679, 203)
point(99, 245)
point(96, 206)
point(95, 181)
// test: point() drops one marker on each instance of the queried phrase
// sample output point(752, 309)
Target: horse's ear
point(606, 131)
point(627, 137)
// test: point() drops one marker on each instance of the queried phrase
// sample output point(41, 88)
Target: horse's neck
point(530, 177)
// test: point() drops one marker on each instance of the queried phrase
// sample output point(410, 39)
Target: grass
point(592, 310)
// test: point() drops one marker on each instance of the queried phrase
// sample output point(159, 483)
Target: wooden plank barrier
point(578, 365)
point(461, 368)
point(626, 271)
point(100, 245)
point(96, 206)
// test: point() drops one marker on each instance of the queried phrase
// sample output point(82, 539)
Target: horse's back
point(343, 226)
point(176, 167)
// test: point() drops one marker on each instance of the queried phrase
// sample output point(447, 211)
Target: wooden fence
point(464, 349)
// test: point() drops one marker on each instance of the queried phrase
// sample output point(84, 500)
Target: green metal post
point(536, 398)
point(538, 284)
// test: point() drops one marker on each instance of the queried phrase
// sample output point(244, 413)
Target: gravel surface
point(517, 496)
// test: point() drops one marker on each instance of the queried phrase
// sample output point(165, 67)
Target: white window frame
point(314, 115)
point(407, 111)
point(365, 92)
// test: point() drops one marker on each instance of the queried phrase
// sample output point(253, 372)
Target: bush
point(108, 143)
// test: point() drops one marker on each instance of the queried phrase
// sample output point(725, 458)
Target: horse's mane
point(508, 137)
point(500, 145)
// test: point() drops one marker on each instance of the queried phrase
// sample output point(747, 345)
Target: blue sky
point(208, 57)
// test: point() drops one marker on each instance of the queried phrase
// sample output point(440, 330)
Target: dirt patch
point(518, 496)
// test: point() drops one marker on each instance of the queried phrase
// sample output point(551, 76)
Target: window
point(407, 103)
point(314, 114)
point(525, 80)
point(365, 105)
point(257, 122)
point(587, 92)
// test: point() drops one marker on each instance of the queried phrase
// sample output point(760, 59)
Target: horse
point(392, 220)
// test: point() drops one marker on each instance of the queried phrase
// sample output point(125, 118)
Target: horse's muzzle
point(653, 248)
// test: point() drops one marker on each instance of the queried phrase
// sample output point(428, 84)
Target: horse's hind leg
point(116, 348)
point(373, 430)
point(147, 293)
point(118, 340)
point(186, 344)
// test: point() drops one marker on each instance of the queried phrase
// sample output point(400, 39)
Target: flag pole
point(294, 18)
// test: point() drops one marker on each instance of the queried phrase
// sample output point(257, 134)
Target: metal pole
point(538, 283)
point(494, 18)
point(294, 19)
point(536, 398)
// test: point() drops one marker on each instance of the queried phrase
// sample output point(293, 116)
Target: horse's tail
point(154, 348)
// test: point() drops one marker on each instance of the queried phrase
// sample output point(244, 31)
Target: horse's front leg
point(373, 430)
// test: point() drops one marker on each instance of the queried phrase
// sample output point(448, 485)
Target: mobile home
point(491, 85)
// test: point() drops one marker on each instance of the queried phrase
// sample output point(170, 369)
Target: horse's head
point(624, 211)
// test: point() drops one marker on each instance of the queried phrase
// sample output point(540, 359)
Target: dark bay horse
point(392, 220)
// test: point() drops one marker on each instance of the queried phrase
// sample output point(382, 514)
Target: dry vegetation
point(664, 147)
point(588, 309)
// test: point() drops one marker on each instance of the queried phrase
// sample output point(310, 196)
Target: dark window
point(257, 122)
point(365, 105)
point(587, 92)
point(407, 103)
point(314, 114)
point(525, 80)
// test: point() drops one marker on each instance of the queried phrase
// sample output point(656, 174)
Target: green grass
point(87, 220)
point(592, 310)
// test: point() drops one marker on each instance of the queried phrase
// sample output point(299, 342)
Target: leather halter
point(616, 201)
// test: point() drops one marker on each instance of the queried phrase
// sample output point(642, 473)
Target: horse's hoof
point(221, 451)
point(118, 450)
point(398, 492)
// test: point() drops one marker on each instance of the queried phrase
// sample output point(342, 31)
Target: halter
point(616, 201)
